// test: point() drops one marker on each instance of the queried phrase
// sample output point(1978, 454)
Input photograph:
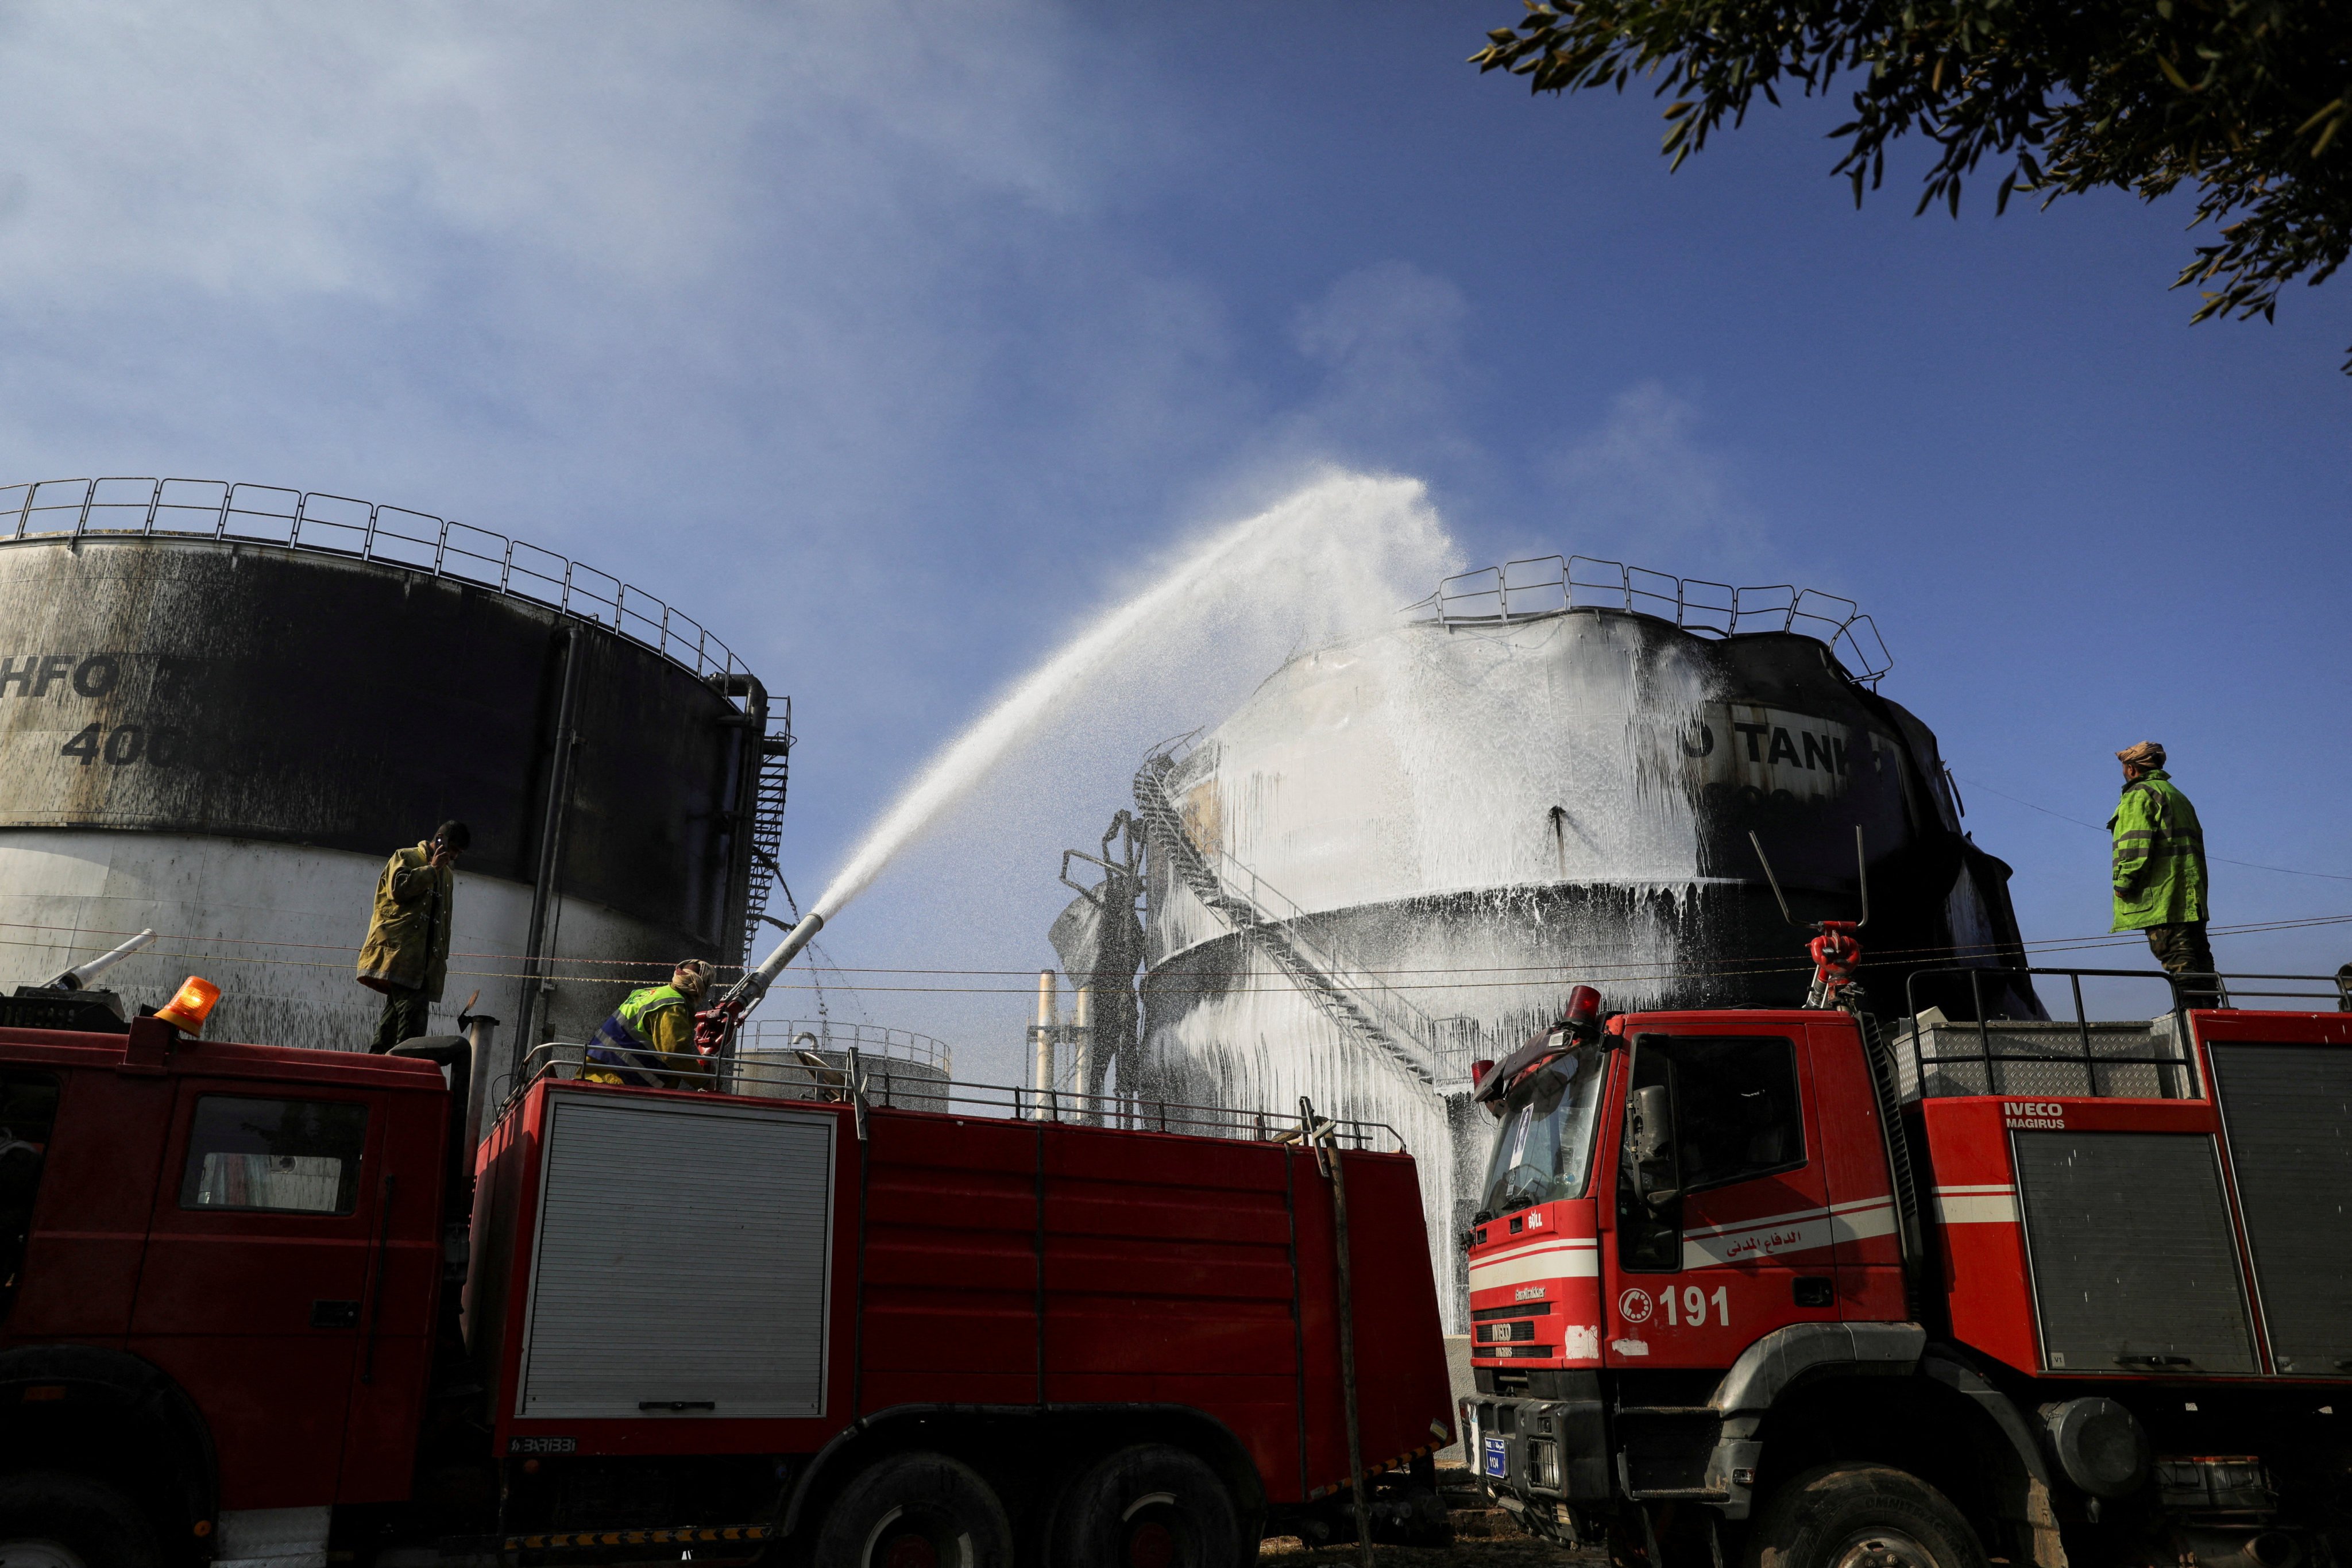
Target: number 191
point(1690, 1310)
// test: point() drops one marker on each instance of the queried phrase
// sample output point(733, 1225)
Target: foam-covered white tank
point(1457, 819)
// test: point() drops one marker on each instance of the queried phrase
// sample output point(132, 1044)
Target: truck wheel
point(53, 1519)
point(914, 1511)
point(1152, 1506)
point(1861, 1516)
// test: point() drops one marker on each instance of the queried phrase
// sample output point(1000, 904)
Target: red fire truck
point(828, 1330)
point(1768, 1285)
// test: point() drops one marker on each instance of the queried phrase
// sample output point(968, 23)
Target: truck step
point(606, 1543)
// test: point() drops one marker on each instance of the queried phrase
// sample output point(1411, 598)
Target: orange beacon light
point(189, 1009)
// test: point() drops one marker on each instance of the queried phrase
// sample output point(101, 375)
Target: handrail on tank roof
point(341, 526)
point(1548, 585)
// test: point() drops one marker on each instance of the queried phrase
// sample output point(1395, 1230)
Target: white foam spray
point(1334, 555)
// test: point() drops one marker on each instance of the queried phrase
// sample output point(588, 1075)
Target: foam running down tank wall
point(1454, 820)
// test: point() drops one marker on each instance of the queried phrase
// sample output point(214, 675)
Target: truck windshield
point(1543, 1150)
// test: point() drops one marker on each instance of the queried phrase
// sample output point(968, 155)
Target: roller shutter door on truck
point(2288, 1110)
point(681, 1261)
point(2128, 1236)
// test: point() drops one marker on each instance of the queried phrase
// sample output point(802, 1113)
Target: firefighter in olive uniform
point(2160, 871)
point(406, 953)
point(648, 1041)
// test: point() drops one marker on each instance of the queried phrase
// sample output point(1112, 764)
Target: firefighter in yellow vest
point(2159, 872)
point(648, 1042)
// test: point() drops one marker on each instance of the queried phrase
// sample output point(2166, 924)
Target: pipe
point(1323, 1135)
point(1082, 1029)
point(482, 1031)
point(76, 978)
point(2245, 1547)
point(745, 994)
point(452, 1052)
point(1042, 1073)
point(742, 852)
point(528, 1006)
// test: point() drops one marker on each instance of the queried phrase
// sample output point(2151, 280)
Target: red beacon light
point(1579, 1024)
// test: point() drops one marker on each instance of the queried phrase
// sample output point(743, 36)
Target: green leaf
point(2326, 111)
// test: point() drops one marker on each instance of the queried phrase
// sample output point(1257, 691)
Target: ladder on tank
point(1364, 1009)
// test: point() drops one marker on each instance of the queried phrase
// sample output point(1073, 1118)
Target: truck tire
point(54, 1519)
point(915, 1511)
point(1861, 1516)
point(1152, 1506)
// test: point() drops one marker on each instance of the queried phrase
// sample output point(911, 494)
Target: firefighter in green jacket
point(2160, 871)
point(406, 954)
point(648, 1041)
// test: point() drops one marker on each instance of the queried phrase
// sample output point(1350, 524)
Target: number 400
point(1692, 1312)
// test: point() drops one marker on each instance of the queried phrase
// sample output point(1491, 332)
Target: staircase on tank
point(1364, 1010)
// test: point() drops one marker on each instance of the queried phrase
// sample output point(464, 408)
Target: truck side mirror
point(1657, 1175)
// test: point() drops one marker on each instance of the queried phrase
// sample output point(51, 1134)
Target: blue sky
point(895, 346)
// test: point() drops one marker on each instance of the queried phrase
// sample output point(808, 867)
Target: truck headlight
point(1543, 1464)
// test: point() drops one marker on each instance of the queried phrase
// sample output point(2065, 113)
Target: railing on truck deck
point(892, 1084)
point(2087, 1059)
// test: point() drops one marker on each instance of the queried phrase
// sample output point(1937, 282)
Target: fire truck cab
point(1763, 1284)
point(217, 1276)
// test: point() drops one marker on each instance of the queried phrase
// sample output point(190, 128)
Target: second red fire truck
point(1762, 1287)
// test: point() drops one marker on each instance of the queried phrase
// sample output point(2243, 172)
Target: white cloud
point(1646, 487)
point(817, 284)
point(1387, 338)
point(250, 150)
point(1390, 319)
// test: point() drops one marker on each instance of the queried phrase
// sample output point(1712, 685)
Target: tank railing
point(869, 1040)
point(1548, 585)
point(889, 1087)
point(340, 525)
point(2184, 990)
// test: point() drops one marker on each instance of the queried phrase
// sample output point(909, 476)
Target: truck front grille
point(1521, 1310)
